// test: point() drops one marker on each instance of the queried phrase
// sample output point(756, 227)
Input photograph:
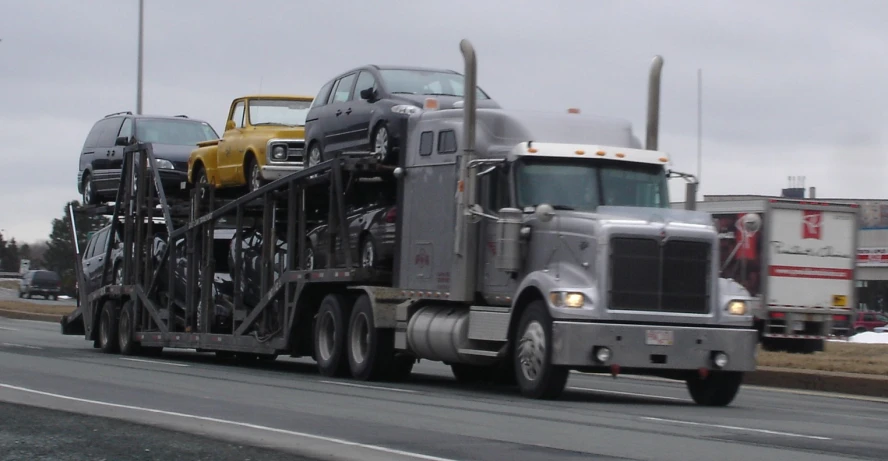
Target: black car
point(93, 259)
point(101, 158)
point(354, 111)
point(40, 283)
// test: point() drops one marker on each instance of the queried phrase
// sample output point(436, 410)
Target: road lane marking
point(364, 386)
point(391, 451)
point(735, 428)
point(22, 346)
point(629, 394)
point(9, 329)
point(172, 364)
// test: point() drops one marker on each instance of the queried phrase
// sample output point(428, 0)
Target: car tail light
point(391, 216)
point(777, 315)
point(840, 318)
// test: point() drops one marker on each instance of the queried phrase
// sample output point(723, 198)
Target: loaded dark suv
point(102, 155)
point(354, 111)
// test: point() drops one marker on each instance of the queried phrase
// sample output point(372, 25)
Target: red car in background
point(867, 321)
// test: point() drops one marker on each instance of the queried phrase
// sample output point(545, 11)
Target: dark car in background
point(101, 159)
point(355, 110)
point(40, 283)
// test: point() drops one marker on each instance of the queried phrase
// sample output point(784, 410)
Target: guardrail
point(10, 275)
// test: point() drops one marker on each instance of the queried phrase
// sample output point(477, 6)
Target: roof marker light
point(580, 152)
point(430, 104)
point(532, 150)
point(664, 159)
point(573, 110)
point(620, 155)
point(600, 153)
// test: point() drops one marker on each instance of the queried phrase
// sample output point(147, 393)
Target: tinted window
point(100, 243)
point(110, 128)
point(426, 141)
point(126, 129)
point(278, 112)
point(180, 132)
point(238, 114)
point(321, 98)
point(343, 89)
point(447, 142)
point(46, 276)
point(365, 81)
point(406, 81)
point(92, 139)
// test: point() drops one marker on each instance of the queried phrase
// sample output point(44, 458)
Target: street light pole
point(139, 76)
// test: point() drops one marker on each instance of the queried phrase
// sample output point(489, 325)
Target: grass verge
point(837, 357)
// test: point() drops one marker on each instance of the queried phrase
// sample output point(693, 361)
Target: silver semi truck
point(525, 246)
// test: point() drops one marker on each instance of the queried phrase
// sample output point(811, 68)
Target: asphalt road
point(286, 405)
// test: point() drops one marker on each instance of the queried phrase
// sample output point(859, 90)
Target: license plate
point(840, 300)
point(798, 326)
point(659, 338)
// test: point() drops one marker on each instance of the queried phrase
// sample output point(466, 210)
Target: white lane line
point(172, 364)
point(21, 345)
point(9, 329)
point(364, 386)
point(630, 394)
point(735, 428)
point(391, 451)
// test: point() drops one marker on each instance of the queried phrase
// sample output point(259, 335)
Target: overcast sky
point(790, 87)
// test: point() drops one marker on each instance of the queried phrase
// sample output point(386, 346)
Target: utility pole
point(139, 71)
point(700, 125)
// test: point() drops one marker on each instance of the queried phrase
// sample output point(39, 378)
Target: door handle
point(349, 110)
point(339, 112)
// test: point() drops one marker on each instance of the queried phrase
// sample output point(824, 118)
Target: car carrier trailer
point(559, 253)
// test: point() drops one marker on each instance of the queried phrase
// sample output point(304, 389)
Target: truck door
point(494, 195)
point(229, 154)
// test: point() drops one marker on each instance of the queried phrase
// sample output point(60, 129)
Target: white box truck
point(798, 257)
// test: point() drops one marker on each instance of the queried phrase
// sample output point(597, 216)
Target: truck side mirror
point(121, 141)
point(229, 125)
point(691, 196)
point(508, 243)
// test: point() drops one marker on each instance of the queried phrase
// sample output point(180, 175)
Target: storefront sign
point(872, 257)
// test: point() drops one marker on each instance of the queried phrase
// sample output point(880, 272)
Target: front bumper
point(275, 172)
point(173, 179)
point(692, 348)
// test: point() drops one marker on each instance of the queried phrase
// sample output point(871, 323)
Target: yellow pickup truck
point(264, 140)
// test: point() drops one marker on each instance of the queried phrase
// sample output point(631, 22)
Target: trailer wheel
point(537, 377)
point(125, 330)
point(330, 336)
point(108, 328)
point(716, 390)
point(371, 350)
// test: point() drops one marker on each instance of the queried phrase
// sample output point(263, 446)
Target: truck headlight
point(406, 109)
point(163, 164)
point(736, 307)
point(279, 153)
point(567, 299)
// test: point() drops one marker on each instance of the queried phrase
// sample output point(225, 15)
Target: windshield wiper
point(403, 92)
point(442, 94)
point(563, 207)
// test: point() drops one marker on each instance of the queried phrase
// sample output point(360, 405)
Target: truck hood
point(294, 132)
point(444, 102)
point(580, 221)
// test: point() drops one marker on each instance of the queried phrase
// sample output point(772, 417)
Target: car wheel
point(89, 195)
point(255, 176)
point(315, 156)
point(382, 143)
point(368, 253)
point(309, 258)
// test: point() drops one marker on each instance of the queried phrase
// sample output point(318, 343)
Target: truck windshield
point(409, 81)
point(182, 132)
point(570, 184)
point(284, 112)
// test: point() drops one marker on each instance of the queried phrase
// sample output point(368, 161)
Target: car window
point(101, 239)
point(238, 114)
point(426, 141)
point(882, 318)
point(92, 139)
point(126, 129)
point(321, 98)
point(426, 82)
point(365, 81)
point(178, 132)
point(110, 128)
point(283, 112)
point(343, 88)
point(447, 142)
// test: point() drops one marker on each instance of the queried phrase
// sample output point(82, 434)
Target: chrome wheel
point(314, 156)
point(360, 338)
point(380, 142)
point(532, 351)
point(368, 255)
point(87, 191)
point(255, 178)
point(326, 336)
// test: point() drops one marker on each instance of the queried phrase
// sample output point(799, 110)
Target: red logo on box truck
point(812, 224)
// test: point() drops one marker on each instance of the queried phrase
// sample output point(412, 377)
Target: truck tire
point(126, 344)
point(108, 327)
point(716, 390)
point(371, 350)
point(330, 336)
point(537, 377)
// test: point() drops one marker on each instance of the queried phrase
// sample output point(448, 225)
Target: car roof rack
point(119, 113)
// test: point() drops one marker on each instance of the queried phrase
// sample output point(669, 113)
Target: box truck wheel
point(537, 377)
point(371, 350)
point(718, 389)
point(108, 327)
point(125, 330)
point(330, 335)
